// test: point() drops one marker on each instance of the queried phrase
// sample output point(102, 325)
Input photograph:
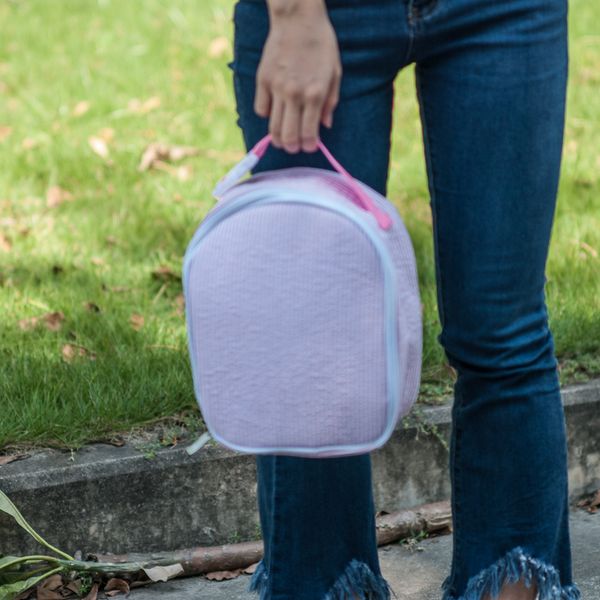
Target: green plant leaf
point(10, 590)
point(9, 508)
point(7, 561)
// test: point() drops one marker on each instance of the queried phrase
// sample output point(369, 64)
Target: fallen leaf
point(99, 146)
point(48, 588)
point(54, 320)
point(56, 196)
point(157, 152)
point(218, 47)
point(115, 586)
point(72, 351)
point(183, 173)
point(5, 243)
point(164, 273)
point(136, 321)
point(5, 131)
point(161, 573)
point(28, 324)
point(249, 570)
point(137, 106)
point(8, 458)
point(91, 307)
point(75, 585)
point(221, 575)
point(81, 108)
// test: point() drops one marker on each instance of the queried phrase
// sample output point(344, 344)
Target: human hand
point(298, 78)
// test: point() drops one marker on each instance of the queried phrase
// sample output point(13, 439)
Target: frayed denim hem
point(258, 583)
point(357, 581)
point(509, 569)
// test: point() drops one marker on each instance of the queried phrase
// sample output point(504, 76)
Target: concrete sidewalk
point(413, 573)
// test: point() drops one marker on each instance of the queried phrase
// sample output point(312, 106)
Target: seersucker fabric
point(303, 315)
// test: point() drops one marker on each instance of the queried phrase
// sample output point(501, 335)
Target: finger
point(331, 102)
point(262, 100)
point(275, 121)
point(290, 126)
point(309, 128)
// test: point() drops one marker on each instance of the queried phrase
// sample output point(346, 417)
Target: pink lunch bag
point(303, 313)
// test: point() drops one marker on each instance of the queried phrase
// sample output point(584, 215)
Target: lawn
point(92, 329)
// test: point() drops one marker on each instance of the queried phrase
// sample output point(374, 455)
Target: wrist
point(280, 10)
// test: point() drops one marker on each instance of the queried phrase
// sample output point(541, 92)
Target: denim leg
point(491, 84)
point(317, 515)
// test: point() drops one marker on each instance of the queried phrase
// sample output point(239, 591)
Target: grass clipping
point(19, 574)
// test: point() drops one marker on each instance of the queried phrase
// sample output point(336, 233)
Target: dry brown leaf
point(218, 47)
point(57, 195)
point(183, 173)
point(91, 307)
point(53, 320)
point(136, 321)
point(48, 588)
point(81, 108)
point(249, 570)
point(221, 575)
point(8, 458)
point(116, 586)
point(28, 324)
point(74, 586)
point(160, 573)
point(157, 152)
point(5, 243)
point(72, 351)
point(46, 594)
point(164, 273)
point(137, 106)
point(99, 146)
point(5, 131)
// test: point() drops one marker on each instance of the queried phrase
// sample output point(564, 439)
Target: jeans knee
point(491, 346)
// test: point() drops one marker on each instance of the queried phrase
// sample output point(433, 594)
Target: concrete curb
point(109, 499)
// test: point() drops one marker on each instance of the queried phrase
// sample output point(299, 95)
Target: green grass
point(104, 245)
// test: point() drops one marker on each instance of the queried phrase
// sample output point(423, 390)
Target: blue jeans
point(491, 81)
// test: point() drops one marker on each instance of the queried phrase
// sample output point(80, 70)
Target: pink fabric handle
point(382, 218)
